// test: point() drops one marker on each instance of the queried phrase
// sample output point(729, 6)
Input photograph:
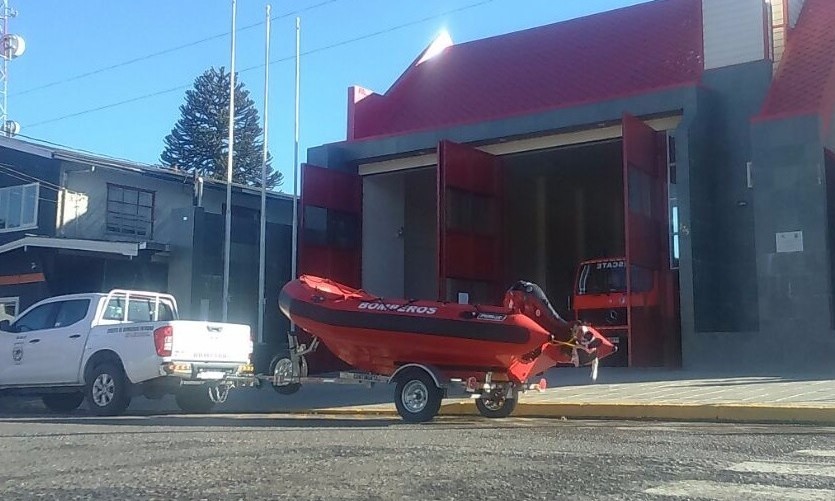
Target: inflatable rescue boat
point(509, 343)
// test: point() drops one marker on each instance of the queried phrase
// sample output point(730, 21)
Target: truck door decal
point(17, 351)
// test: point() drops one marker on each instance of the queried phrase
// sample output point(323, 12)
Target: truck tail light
point(163, 339)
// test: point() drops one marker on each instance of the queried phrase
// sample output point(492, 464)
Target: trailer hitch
point(219, 393)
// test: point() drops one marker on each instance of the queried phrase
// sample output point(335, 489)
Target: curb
point(731, 413)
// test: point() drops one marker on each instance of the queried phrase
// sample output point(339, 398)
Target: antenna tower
point(11, 47)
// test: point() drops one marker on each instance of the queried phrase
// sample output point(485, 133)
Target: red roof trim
point(805, 79)
point(786, 114)
point(626, 52)
point(534, 112)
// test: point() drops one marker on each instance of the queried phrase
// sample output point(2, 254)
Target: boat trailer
point(419, 391)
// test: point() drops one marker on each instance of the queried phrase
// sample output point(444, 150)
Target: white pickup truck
point(108, 348)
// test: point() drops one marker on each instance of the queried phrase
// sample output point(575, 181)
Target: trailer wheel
point(284, 366)
point(194, 399)
point(417, 398)
point(498, 404)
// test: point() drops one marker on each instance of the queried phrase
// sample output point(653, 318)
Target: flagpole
point(295, 251)
point(296, 156)
point(229, 167)
point(262, 264)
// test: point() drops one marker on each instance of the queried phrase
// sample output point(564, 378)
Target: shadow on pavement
point(203, 424)
point(203, 421)
point(241, 400)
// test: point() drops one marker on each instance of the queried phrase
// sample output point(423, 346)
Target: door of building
point(647, 259)
point(329, 240)
point(330, 243)
point(470, 224)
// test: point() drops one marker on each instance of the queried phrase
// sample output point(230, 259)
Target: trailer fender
point(438, 377)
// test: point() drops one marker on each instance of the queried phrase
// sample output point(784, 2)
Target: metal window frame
point(23, 227)
point(108, 212)
point(672, 201)
point(15, 300)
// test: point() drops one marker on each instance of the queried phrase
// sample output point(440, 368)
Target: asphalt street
point(270, 456)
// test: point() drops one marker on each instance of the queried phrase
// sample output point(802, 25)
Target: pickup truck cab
point(108, 348)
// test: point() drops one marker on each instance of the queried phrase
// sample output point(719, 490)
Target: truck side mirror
point(5, 326)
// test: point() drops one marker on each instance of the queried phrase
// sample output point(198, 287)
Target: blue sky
point(67, 39)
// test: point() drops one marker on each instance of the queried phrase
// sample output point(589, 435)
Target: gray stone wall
point(794, 283)
point(729, 302)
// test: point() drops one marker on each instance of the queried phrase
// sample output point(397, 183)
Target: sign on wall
point(790, 241)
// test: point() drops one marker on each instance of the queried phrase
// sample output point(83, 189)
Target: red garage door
point(469, 224)
point(330, 239)
point(647, 261)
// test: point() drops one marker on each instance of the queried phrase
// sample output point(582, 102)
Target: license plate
point(211, 375)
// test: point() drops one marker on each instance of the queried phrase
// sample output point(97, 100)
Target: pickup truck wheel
point(107, 390)
point(194, 399)
point(63, 402)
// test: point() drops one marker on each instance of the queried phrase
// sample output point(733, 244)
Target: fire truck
point(600, 298)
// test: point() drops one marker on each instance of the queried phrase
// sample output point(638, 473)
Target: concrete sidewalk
point(663, 395)
point(618, 394)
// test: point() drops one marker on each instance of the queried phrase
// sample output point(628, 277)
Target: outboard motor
point(530, 300)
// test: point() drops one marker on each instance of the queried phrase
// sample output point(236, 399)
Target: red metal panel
point(331, 192)
point(472, 253)
point(335, 191)
point(625, 52)
point(471, 257)
point(805, 79)
point(331, 188)
point(645, 211)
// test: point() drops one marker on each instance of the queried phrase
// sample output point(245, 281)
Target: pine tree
point(199, 140)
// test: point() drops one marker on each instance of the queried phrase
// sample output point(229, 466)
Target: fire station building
point(688, 143)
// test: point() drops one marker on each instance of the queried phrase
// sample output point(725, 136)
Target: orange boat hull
point(379, 335)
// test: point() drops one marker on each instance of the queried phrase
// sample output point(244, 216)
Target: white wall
point(90, 220)
point(778, 31)
point(784, 16)
point(733, 32)
point(85, 206)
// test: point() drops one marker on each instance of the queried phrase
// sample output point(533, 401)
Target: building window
point(19, 207)
point(8, 308)
point(130, 211)
point(673, 201)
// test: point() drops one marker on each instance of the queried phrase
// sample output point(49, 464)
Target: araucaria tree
point(199, 141)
